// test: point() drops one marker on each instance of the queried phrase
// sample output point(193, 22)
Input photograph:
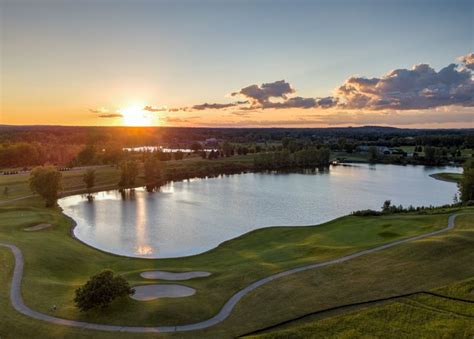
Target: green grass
point(56, 264)
point(354, 157)
point(419, 316)
point(255, 255)
point(445, 176)
point(108, 177)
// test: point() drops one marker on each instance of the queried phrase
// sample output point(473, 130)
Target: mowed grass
point(412, 267)
point(446, 176)
point(56, 264)
point(107, 177)
point(49, 255)
point(419, 316)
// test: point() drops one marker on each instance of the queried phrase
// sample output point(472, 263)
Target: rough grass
point(420, 316)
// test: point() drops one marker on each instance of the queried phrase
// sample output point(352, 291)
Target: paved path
point(19, 305)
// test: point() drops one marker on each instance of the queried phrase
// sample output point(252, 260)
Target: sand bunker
point(38, 227)
point(152, 292)
point(163, 275)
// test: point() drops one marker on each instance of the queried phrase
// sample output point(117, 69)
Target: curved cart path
point(19, 305)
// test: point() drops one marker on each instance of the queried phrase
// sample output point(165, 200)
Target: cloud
point(418, 88)
point(105, 113)
point(154, 109)
point(261, 94)
point(421, 87)
point(178, 119)
point(213, 106)
point(111, 115)
point(468, 61)
point(98, 110)
point(454, 116)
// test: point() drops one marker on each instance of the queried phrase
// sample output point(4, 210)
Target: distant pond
point(191, 217)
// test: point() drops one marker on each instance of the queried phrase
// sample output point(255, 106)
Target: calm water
point(191, 217)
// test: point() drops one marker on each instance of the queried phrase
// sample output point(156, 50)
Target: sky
point(237, 63)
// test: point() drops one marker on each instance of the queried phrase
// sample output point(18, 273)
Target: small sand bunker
point(152, 292)
point(38, 227)
point(163, 275)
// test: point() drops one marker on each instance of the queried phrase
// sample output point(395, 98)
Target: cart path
point(17, 300)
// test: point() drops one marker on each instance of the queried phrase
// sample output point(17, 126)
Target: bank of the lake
point(190, 217)
point(447, 176)
point(50, 255)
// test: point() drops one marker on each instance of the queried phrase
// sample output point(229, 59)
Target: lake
point(190, 217)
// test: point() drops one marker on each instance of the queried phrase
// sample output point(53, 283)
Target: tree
point(101, 290)
point(86, 156)
point(196, 146)
point(129, 173)
point(430, 154)
point(228, 149)
point(466, 185)
point(178, 155)
point(152, 169)
point(46, 181)
point(386, 206)
point(89, 179)
point(373, 154)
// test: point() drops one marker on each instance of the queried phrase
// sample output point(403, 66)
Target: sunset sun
point(136, 116)
point(147, 149)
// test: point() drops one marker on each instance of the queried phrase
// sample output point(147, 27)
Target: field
point(50, 255)
point(107, 177)
point(451, 177)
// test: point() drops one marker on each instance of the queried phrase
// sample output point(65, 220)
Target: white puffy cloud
point(418, 88)
point(468, 61)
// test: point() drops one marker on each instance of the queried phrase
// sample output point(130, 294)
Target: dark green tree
point(228, 149)
point(373, 154)
point(129, 173)
point(386, 206)
point(89, 179)
point(196, 146)
point(46, 181)
point(178, 155)
point(153, 173)
point(101, 290)
point(86, 156)
point(430, 155)
point(466, 185)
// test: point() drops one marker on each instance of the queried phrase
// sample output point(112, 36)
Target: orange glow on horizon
point(136, 116)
